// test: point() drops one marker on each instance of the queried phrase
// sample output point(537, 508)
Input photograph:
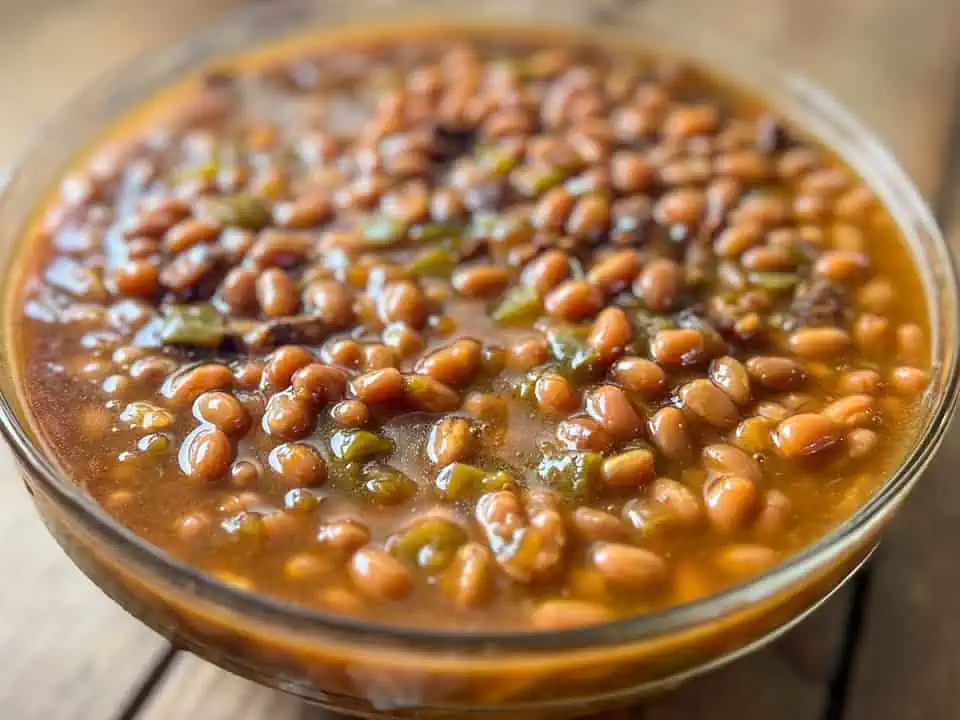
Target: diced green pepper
point(387, 486)
point(499, 480)
point(429, 543)
point(575, 473)
point(458, 481)
point(384, 230)
point(353, 445)
point(193, 325)
point(576, 360)
point(496, 160)
point(436, 262)
point(774, 281)
point(345, 475)
point(521, 304)
point(245, 211)
point(435, 232)
point(154, 444)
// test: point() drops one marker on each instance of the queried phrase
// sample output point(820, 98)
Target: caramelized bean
point(583, 434)
point(298, 464)
point(454, 365)
point(222, 410)
point(319, 384)
point(206, 454)
point(555, 395)
point(659, 284)
point(547, 271)
point(277, 294)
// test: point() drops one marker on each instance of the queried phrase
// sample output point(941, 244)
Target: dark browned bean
point(547, 271)
point(378, 387)
point(598, 526)
point(379, 575)
point(319, 384)
point(402, 302)
point(629, 469)
point(481, 281)
point(611, 333)
point(277, 293)
point(206, 454)
point(668, 430)
point(731, 376)
point(777, 373)
point(283, 363)
point(659, 284)
point(287, 417)
point(708, 402)
point(583, 434)
point(610, 406)
point(731, 502)
point(222, 410)
point(555, 395)
point(298, 464)
point(805, 434)
point(630, 567)
point(573, 300)
point(451, 440)
point(821, 343)
point(684, 346)
point(454, 365)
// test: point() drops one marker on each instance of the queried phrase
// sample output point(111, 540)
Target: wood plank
point(69, 652)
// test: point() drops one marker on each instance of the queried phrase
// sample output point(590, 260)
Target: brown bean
point(429, 395)
point(191, 527)
point(343, 536)
point(709, 403)
point(630, 172)
point(222, 410)
point(842, 266)
point(183, 388)
point(590, 217)
point(821, 343)
point(455, 365)
point(283, 363)
point(861, 442)
point(877, 296)
point(611, 333)
point(277, 293)
point(736, 240)
point(298, 464)
point(775, 514)
point(547, 270)
point(404, 341)
point(640, 375)
point(402, 302)
point(481, 281)
point(553, 208)
point(137, 278)
point(187, 233)
point(629, 469)
point(859, 382)
point(744, 560)
point(583, 434)
point(287, 417)
point(683, 346)
point(527, 354)
point(724, 459)
point(567, 614)
point(279, 249)
point(683, 206)
point(379, 575)
point(470, 575)
point(573, 300)
point(304, 212)
point(659, 284)
point(776, 373)
point(911, 344)
point(377, 356)
point(805, 434)
point(239, 290)
point(555, 395)
point(630, 567)
point(668, 430)
point(852, 410)
point(610, 406)
point(731, 376)
point(319, 384)
point(206, 454)
point(596, 525)
point(350, 413)
point(731, 502)
point(908, 381)
point(615, 271)
point(332, 302)
point(451, 440)
point(379, 386)
point(765, 258)
point(871, 332)
point(690, 120)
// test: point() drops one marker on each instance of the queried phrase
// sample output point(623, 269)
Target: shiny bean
point(805, 434)
point(611, 333)
point(731, 502)
point(611, 407)
point(573, 300)
point(640, 375)
point(451, 440)
point(822, 343)
point(630, 567)
point(379, 575)
point(776, 373)
point(668, 430)
point(709, 403)
point(731, 376)
point(206, 454)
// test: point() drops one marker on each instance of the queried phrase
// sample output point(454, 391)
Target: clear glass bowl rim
point(820, 114)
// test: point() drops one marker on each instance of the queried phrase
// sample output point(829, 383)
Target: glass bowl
point(376, 670)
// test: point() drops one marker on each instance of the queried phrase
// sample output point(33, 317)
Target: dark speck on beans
point(468, 329)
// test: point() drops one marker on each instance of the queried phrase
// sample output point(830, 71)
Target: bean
point(611, 333)
point(630, 172)
point(668, 430)
point(277, 293)
point(182, 389)
point(488, 407)
point(684, 346)
point(304, 212)
point(871, 332)
point(724, 459)
point(429, 395)
point(470, 575)
point(137, 278)
point(332, 302)
point(379, 575)
point(590, 217)
point(287, 417)
point(298, 465)
point(343, 536)
point(405, 342)
point(193, 527)
point(239, 290)
point(659, 284)
point(630, 567)
point(775, 514)
point(731, 502)
point(598, 526)
point(777, 373)
point(908, 381)
point(527, 354)
point(244, 474)
point(736, 240)
point(911, 344)
point(567, 614)
point(553, 209)
point(573, 300)
point(765, 258)
point(547, 271)
point(690, 120)
point(615, 271)
point(350, 413)
point(820, 343)
point(708, 402)
point(187, 233)
point(206, 454)
point(279, 249)
point(451, 440)
point(731, 376)
point(583, 434)
point(859, 382)
point(877, 296)
point(555, 395)
point(319, 384)
point(378, 387)
point(743, 560)
point(610, 406)
point(222, 410)
point(805, 434)
point(683, 206)
point(640, 375)
point(629, 469)
point(307, 567)
point(283, 363)
point(455, 365)
point(852, 410)
point(481, 281)
point(861, 442)
point(402, 302)
point(842, 266)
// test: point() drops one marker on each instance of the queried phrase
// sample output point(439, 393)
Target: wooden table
point(887, 648)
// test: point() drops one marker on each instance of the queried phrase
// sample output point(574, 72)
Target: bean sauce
point(465, 329)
